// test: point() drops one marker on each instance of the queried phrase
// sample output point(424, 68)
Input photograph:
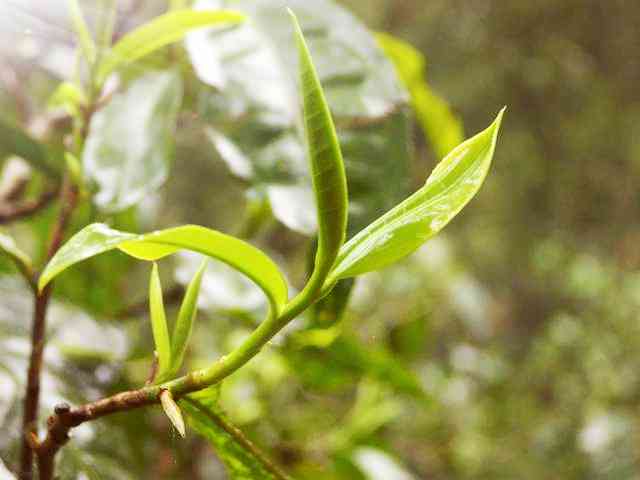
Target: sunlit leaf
point(172, 411)
point(186, 316)
point(441, 126)
point(87, 45)
point(327, 167)
point(159, 323)
point(130, 141)
point(451, 185)
point(22, 261)
point(99, 238)
point(67, 96)
point(242, 459)
point(159, 32)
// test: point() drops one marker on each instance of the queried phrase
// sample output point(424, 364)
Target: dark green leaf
point(13, 141)
point(243, 460)
point(451, 185)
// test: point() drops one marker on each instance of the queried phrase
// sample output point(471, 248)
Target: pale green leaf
point(327, 167)
point(159, 323)
point(99, 238)
point(18, 257)
point(130, 143)
point(159, 32)
point(242, 459)
point(186, 316)
point(87, 45)
point(400, 231)
point(441, 126)
point(67, 96)
point(172, 411)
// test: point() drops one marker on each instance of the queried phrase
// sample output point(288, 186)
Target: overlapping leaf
point(451, 185)
point(98, 238)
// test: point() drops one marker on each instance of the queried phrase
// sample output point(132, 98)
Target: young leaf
point(99, 238)
point(159, 323)
point(159, 32)
point(327, 167)
point(400, 231)
point(18, 257)
point(172, 411)
point(85, 40)
point(440, 125)
point(240, 456)
point(186, 316)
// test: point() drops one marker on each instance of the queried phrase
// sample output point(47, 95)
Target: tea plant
point(381, 242)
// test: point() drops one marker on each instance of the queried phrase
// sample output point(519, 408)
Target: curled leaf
point(172, 411)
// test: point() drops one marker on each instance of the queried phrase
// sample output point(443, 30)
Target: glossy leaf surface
point(130, 143)
point(451, 185)
point(186, 317)
point(327, 167)
point(159, 32)
point(159, 323)
point(99, 238)
point(441, 126)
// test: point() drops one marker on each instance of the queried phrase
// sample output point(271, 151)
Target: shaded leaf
point(172, 411)
point(130, 140)
point(442, 128)
point(186, 316)
point(159, 323)
point(242, 459)
point(159, 32)
point(99, 238)
point(14, 141)
point(327, 167)
point(451, 185)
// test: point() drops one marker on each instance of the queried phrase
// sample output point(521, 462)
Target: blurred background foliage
point(504, 348)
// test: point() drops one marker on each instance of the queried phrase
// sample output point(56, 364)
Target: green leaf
point(99, 238)
point(243, 460)
point(186, 316)
point(14, 141)
point(327, 167)
point(172, 411)
point(441, 126)
point(18, 257)
point(159, 323)
point(130, 141)
point(159, 32)
point(400, 231)
point(85, 40)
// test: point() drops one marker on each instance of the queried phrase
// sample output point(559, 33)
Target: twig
point(68, 200)
point(11, 213)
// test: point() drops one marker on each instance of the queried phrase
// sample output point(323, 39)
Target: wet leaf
point(451, 185)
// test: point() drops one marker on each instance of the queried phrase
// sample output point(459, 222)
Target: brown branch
point(11, 213)
point(68, 200)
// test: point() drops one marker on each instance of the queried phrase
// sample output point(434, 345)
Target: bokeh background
point(505, 348)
